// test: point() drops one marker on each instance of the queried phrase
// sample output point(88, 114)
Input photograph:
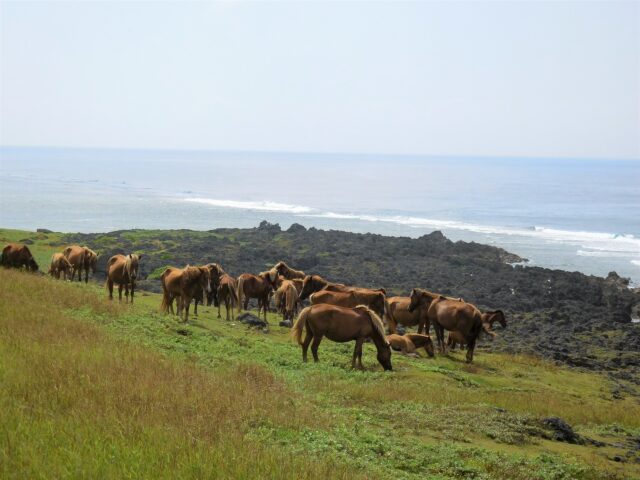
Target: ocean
point(577, 215)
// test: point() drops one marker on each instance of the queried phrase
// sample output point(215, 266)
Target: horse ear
point(140, 256)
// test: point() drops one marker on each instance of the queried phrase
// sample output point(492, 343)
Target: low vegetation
point(96, 389)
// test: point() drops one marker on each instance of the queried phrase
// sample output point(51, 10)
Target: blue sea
point(577, 215)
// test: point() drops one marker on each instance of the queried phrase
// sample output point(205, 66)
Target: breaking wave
point(264, 206)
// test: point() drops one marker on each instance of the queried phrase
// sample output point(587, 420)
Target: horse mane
point(376, 322)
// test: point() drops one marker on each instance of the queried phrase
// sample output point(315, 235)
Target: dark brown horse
point(59, 264)
point(17, 255)
point(312, 284)
point(81, 258)
point(397, 310)
point(227, 293)
point(488, 319)
point(215, 271)
point(342, 325)
point(352, 298)
point(287, 272)
point(122, 270)
point(183, 284)
point(256, 286)
point(452, 315)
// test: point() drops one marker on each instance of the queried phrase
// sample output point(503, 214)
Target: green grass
point(98, 389)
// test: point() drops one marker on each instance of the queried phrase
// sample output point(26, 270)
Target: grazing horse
point(17, 255)
point(286, 299)
point(287, 272)
point(81, 258)
point(256, 286)
point(123, 271)
point(371, 298)
point(183, 284)
point(342, 325)
point(59, 264)
point(451, 315)
point(227, 293)
point(397, 309)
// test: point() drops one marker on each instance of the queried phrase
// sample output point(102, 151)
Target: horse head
point(32, 265)
point(205, 279)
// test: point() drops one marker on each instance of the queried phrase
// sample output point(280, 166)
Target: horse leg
point(356, 362)
point(86, 275)
point(314, 347)
point(471, 345)
point(195, 308)
point(120, 292)
point(110, 287)
point(421, 326)
point(126, 293)
point(305, 344)
point(133, 286)
point(186, 303)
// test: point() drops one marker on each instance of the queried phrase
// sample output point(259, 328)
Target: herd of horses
point(339, 312)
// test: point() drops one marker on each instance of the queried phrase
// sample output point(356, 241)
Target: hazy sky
point(559, 79)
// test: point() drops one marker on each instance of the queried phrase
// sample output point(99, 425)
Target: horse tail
point(376, 322)
point(240, 292)
point(301, 322)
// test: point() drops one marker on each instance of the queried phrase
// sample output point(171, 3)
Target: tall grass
point(74, 402)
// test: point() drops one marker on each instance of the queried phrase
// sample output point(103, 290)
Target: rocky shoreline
point(579, 320)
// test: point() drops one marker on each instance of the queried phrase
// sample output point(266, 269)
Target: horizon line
point(319, 153)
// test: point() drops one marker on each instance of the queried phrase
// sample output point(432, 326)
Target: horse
point(17, 255)
point(312, 284)
point(183, 283)
point(123, 271)
point(342, 324)
point(227, 293)
point(215, 271)
point(81, 258)
point(59, 264)
point(256, 286)
point(421, 341)
point(451, 315)
point(488, 319)
point(371, 298)
point(401, 344)
point(397, 310)
point(287, 272)
point(286, 299)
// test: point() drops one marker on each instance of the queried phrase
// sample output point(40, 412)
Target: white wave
point(265, 206)
point(591, 244)
point(636, 262)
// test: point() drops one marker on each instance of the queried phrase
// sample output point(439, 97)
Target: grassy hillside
point(94, 389)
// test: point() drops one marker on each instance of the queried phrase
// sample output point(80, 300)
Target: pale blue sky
point(552, 79)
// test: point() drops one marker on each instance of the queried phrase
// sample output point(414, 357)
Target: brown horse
point(314, 283)
point(256, 286)
point(123, 271)
point(17, 255)
point(401, 344)
point(59, 264)
point(215, 271)
point(342, 325)
point(397, 310)
point(227, 293)
point(421, 341)
point(287, 272)
point(488, 319)
point(371, 298)
point(81, 258)
point(183, 284)
point(451, 315)
point(286, 299)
